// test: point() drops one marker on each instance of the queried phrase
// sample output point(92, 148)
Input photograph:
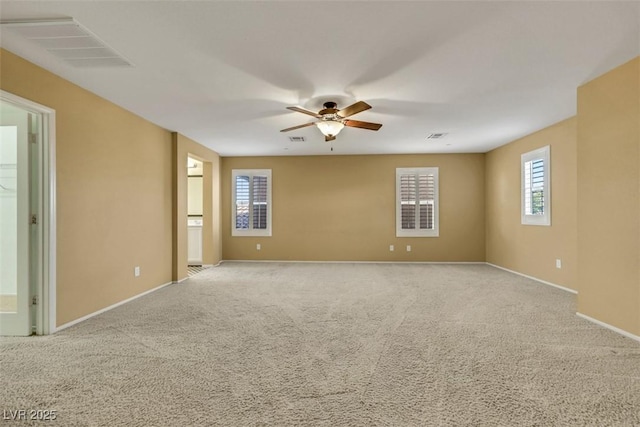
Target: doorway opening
point(199, 215)
point(27, 217)
point(194, 214)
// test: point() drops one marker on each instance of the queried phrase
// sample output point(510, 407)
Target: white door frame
point(46, 307)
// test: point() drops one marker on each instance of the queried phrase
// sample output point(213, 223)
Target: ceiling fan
point(332, 120)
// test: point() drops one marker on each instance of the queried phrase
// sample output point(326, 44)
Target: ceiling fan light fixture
point(330, 127)
point(332, 121)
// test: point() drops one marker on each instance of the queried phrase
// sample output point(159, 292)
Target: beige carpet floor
point(276, 344)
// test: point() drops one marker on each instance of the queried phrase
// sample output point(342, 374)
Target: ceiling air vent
point(296, 138)
point(69, 41)
point(436, 136)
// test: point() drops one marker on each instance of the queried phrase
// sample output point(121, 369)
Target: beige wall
point(595, 177)
point(182, 148)
point(531, 249)
point(113, 186)
point(343, 208)
point(609, 197)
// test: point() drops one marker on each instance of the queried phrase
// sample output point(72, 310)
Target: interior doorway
point(27, 226)
point(195, 212)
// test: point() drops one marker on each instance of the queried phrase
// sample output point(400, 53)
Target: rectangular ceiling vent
point(69, 41)
point(296, 138)
point(436, 136)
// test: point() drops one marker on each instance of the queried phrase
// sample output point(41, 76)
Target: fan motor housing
point(329, 108)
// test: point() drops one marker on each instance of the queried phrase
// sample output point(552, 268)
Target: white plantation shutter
point(251, 208)
point(534, 187)
point(260, 202)
point(417, 202)
point(536, 197)
point(427, 194)
point(408, 201)
point(242, 202)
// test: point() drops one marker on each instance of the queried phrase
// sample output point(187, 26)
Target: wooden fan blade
point(298, 127)
point(362, 125)
point(354, 109)
point(329, 138)
point(303, 111)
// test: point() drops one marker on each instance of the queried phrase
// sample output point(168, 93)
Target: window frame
point(544, 154)
point(417, 232)
point(238, 232)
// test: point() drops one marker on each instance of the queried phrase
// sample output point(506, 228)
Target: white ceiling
point(222, 73)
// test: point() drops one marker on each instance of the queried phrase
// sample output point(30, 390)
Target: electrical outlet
point(258, 246)
point(136, 271)
point(391, 248)
point(408, 248)
point(558, 263)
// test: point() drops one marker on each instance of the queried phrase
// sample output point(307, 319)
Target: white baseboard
point(95, 313)
point(350, 262)
point(608, 326)
point(534, 278)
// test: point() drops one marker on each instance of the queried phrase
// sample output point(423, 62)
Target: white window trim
point(251, 231)
point(544, 219)
point(400, 232)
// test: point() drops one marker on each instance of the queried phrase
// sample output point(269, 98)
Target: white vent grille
point(296, 138)
point(436, 136)
point(69, 41)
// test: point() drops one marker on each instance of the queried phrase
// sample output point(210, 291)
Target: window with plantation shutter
point(536, 197)
point(417, 202)
point(251, 202)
